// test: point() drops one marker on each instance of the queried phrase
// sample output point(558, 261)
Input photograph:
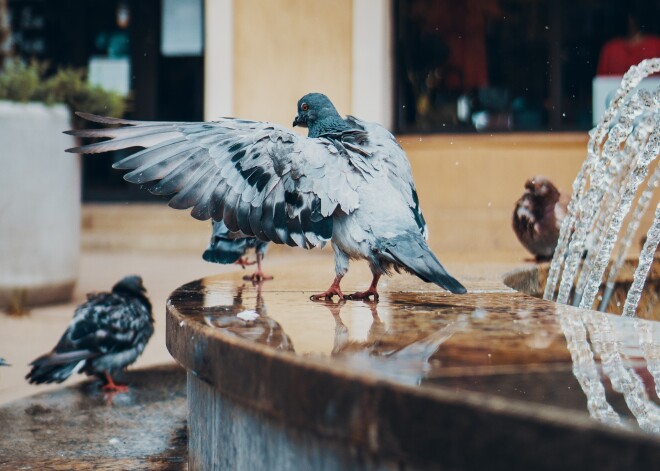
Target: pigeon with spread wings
point(348, 182)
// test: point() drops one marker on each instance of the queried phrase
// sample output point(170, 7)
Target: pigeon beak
point(295, 121)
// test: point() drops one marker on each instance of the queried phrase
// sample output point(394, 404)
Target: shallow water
point(506, 345)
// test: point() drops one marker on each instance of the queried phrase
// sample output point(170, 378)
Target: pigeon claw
point(364, 295)
point(327, 295)
point(111, 386)
point(243, 262)
point(257, 277)
point(117, 388)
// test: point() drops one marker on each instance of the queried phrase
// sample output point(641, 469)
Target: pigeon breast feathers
point(259, 178)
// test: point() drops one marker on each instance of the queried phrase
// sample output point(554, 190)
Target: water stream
point(621, 149)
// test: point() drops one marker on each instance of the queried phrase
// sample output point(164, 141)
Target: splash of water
point(645, 261)
point(650, 350)
point(620, 149)
point(624, 379)
point(631, 230)
point(585, 369)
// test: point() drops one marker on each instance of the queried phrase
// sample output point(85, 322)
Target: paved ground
point(24, 338)
point(79, 427)
point(75, 426)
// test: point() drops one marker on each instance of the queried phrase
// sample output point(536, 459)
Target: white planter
point(39, 204)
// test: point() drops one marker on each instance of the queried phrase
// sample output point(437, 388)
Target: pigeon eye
point(304, 107)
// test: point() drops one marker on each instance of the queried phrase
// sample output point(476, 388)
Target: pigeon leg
point(111, 386)
point(334, 289)
point(370, 292)
point(243, 262)
point(258, 275)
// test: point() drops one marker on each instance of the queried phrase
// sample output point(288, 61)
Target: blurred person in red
point(619, 54)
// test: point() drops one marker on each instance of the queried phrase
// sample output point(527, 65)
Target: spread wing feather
point(258, 178)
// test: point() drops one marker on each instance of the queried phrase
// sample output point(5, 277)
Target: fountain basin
point(422, 379)
point(531, 280)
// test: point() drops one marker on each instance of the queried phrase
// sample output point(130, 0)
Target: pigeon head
point(130, 284)
point(541, 187)
point(314, 108)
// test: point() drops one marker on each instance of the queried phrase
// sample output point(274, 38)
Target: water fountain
point(428, 379)
point(621, 149)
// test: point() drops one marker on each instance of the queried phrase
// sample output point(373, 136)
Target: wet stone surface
point(501, 344)
point(81, 427)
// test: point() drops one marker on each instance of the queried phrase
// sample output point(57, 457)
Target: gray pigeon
point(3, 362)
point(231, 247)
point(108, 332)
point(348, 181)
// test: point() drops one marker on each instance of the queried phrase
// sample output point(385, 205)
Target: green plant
point(28, 82)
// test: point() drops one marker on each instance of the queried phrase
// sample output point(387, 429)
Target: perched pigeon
point(230, 247)
point(538, 215)
point(3, 362)
point(108, 332)
point(348, 181)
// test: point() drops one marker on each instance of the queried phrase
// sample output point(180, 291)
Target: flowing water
point(621, 149)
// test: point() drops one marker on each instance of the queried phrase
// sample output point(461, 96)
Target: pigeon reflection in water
point(408, 364)
point(251, 323)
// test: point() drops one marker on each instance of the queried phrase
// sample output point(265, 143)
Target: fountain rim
point(297, 390)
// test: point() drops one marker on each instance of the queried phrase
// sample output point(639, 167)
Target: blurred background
point(419, 66)
point(481, 94)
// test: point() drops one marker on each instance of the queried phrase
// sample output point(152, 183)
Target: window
point(504, 65)
point(102, 35)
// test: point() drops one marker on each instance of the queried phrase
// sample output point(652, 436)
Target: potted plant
point(40, 199)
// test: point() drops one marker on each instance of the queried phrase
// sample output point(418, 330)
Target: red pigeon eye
point(304, 107)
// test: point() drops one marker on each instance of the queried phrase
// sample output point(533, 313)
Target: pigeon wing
point(386, 155)
point(258, 178)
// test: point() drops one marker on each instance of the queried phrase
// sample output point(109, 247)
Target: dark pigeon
point(231, 247)
point(348, 182)
point(538, 215)
point(108, 332)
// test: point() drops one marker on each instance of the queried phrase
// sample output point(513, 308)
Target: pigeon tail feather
point(45, 370)
point(412, 252)
point(225, 251)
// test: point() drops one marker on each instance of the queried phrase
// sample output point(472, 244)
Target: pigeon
point(348, 181)
point(108, 332)
point(3, 362)
point(230, 247)
point(538, 215)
